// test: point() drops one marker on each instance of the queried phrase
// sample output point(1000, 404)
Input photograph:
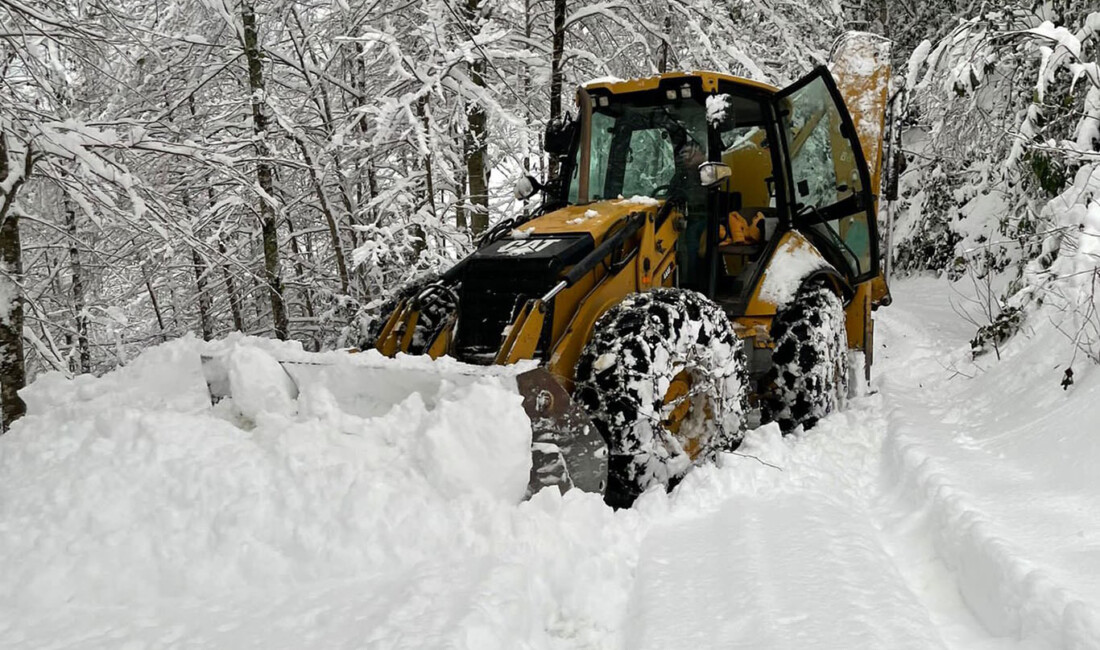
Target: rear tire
point(664, 380)
point(809, 374)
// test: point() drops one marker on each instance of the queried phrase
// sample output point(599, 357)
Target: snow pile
point(588, 214)
point(717, 107)
point(646, 201)
point(165, 378)
point(602, 80)
point(132, 488)
point(259, 384)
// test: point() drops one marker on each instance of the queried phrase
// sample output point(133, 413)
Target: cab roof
point(710, 82)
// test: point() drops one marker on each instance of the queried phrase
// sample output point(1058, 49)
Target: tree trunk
point(330, 218)
point(372, 190)
point(300, 270)
point(255, 285)
point(527, 88)
point(662, 58)
point(231, 289)
point(13, 370)
point(79, 300)
point(264, 173)
point(461, 221)
point(476, 172)
point(558, 47)
point(361, 89)
point(477, 139)
point(427, 195)
point(429, 185)
point(205, 307)
point(154, 301)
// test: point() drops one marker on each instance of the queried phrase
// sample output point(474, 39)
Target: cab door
point(833, 201)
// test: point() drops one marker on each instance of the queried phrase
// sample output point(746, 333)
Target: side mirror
point(559, 135)
point(712, 173)
point(526, 187)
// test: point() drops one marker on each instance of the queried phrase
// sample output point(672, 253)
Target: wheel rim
point(687, 412)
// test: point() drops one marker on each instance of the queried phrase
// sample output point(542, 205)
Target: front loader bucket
point(566, 449)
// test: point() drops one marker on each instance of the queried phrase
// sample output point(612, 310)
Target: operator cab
point(795, 162)
point(651, 143)
point(792, 157)
point(643, 146)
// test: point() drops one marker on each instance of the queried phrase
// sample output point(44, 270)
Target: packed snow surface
point(952, 508)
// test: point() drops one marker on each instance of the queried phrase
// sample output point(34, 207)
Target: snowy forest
point(209, 208)
point(280, 167)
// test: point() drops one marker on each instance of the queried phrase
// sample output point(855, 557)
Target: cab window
point(742, 141)
point(826, 174)
point(640, 147)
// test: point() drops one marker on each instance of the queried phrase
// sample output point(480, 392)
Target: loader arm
point(648, 262)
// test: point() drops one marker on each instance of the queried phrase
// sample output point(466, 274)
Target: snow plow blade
point(566, 449)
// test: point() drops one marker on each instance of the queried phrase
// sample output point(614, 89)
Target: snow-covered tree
point(281, 168)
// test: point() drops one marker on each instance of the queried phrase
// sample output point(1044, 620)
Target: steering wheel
point(662, 189)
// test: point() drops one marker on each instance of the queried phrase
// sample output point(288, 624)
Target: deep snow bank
point(134, 512)
point(131, 486)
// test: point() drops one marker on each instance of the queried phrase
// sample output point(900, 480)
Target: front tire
point(664, 380)
point(809, 374)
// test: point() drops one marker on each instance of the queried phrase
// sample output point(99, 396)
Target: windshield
point(639, 150)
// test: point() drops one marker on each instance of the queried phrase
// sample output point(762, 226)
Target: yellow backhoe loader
point(709, 247)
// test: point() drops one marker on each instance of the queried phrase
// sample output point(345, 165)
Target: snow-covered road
point(953, 508)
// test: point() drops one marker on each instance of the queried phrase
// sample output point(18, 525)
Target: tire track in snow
point(789, 559)
point(985, 520)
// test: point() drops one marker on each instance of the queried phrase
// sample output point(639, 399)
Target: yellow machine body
point(537, 286)
point(651, 252)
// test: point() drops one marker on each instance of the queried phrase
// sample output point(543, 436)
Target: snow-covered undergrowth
point(953, 508)
point(1001, 114)
point(1059, 287)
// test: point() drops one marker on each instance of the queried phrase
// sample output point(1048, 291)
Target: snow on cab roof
point(710, 82)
